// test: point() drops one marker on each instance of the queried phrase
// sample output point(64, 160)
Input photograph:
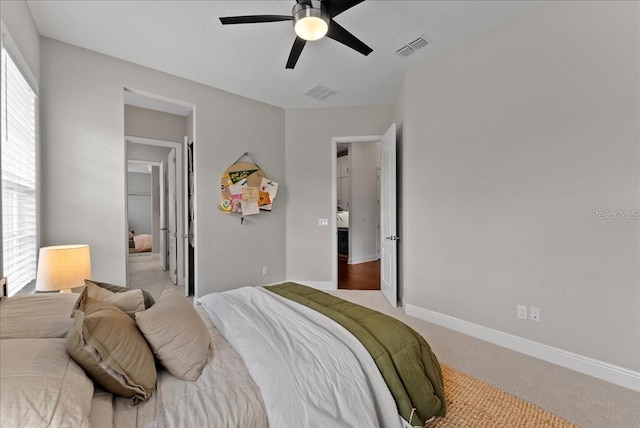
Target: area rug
point(472, 403)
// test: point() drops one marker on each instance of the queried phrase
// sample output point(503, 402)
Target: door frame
point(334, 195)
point(183, 255)
point(173, 181)
point(163, 218)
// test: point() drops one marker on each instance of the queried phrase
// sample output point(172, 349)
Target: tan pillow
point(130, 301)
point(44, 315)
point(41, 386)
point(176, 333)
point(106, 343)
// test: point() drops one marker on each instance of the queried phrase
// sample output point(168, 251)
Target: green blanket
point(403, 357)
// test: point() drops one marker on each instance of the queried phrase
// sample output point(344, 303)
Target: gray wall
point(508, 144)
point(309, 180)
point(140, 203)
point(142, 122)
point(83, 152)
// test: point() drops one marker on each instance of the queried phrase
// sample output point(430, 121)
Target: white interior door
point(163, 216)
point(389, 238)
point(172, 224)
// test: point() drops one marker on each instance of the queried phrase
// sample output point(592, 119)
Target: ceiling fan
point(312, 20)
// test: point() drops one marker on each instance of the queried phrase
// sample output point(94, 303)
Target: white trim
point(365, 139)
point(195, 207)
point(589, 366)
point(153, 142)
point(158, 102)
point(143, 162)
point(358, 260)
point(334, 214)
point(135, 166)
point(320, 285)
point(12, 49)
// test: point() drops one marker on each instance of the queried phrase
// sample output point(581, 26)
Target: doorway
point(160, 261)
point(386, 189)
point(143, 202)
point(159, 135)
point(358, 215)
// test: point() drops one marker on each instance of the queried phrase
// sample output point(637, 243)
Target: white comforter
point(224, 396)
point(310, 371)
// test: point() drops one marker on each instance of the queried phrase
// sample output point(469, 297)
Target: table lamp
point(63, 267)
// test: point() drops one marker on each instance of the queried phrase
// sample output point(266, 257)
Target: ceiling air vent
point(320, 92)
point(405, 51)
point(413, 46)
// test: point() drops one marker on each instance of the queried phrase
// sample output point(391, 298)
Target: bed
point(270, 356)
point(140, 243)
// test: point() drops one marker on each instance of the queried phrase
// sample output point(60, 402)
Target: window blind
point(19, 191)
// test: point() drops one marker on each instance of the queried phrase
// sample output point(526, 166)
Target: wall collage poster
point(246, 189)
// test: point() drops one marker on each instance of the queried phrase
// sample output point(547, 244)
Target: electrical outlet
point(522, 312)
point(323, 222)
point(265, 270)
point(534, 314)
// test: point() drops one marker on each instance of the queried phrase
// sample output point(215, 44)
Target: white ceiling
point(185, 38)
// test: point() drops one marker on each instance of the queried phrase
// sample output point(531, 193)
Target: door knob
point(392, 238)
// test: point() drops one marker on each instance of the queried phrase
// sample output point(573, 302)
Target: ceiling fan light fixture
point(310, 22)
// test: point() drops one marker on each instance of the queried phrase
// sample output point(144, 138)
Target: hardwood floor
point(363, 276)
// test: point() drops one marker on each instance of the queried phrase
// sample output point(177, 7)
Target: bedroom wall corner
point(309, 133)
point(520, 143)
point(84, 165)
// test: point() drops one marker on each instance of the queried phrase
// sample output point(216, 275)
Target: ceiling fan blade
point(296, 50)
point(254, 19)
point(336, 7)
point(339, 34)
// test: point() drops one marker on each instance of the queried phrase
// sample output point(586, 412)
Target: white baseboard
point(320, 285)
point(357, 260)
point(589, 366)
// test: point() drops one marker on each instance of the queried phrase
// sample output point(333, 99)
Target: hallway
point(145, 273)
point(363, 276)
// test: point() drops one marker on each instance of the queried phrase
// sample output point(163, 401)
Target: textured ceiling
point(185, 38)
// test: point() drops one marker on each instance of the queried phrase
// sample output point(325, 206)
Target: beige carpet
point(586, 401)
point(472, 403)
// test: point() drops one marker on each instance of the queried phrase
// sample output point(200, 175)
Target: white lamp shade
point(62, 267)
